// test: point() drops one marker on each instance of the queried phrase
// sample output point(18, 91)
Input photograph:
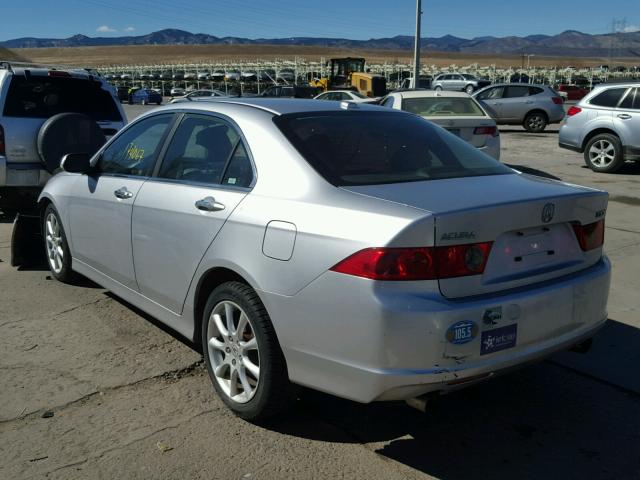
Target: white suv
point(605, 127)
point(30, 96)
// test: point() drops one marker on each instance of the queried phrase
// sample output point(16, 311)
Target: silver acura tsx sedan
point(353, 249)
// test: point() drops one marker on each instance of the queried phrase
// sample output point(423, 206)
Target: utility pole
point(416, 49)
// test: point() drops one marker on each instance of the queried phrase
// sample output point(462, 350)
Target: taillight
point(493, 131)
point(573, 110)
point(462, 260)
point(2, 147)
point(557, 100)
point(590, 236)
point(419, 263)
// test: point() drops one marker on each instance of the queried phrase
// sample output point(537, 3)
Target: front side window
point(442, 106)
point(135, 150)
point(199, 150)
point(491, 94)
point(608, 98)
point(367, 148)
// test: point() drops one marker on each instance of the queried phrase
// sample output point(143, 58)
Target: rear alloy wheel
point(242, 354)
point(57, 249)
point(603, 153)
point(469, 89)
point(144, 102)
point(535, 122)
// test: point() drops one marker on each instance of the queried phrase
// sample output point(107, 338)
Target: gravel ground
point(93, 388)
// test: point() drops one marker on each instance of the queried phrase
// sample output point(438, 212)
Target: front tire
point(535, 122)
point(56, 246)
point(603, 153)
point(242, 353)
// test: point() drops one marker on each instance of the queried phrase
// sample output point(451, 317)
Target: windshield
point(365, 148)
point(44, 97)
point(358, 94)
point(468, 77)
point(442, 106)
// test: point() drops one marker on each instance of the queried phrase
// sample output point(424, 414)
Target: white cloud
point(631, 29)
point(129, 29)
point(105, 29)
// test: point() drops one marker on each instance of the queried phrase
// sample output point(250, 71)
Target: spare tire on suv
point(67, 133)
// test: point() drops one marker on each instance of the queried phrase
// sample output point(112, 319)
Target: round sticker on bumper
point(462, 332)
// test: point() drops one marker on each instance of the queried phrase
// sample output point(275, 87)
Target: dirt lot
point(95, 389)
point(167, 54)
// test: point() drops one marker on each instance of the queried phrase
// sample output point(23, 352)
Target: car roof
point(338, 91)
point(516, 84)
point(280, 106)
point(429, 94)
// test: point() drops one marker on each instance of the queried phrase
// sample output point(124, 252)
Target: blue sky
point(357, 19)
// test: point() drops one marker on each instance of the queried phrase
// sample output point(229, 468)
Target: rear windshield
point(442, 106)
point(44, 97)
point(367, 148)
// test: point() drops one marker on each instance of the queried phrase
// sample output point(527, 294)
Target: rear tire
point(469, 89)
point(242, 353)
point(56, 246)
point(144, 102)
point(438, 88)
point(603, 153)
point(535, 122)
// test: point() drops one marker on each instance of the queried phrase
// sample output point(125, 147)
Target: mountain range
point(569, 43)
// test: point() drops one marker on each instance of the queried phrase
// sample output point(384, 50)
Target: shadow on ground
point(545, 421)
point(628, 168)
point(545, 133)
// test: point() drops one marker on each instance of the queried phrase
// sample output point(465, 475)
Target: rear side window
point(608, 98)
point(199, 150)
point(516, 92)
point(44, 97)
point(366, 148)
point(442, 106)
point(535, 90)
point(631, 101)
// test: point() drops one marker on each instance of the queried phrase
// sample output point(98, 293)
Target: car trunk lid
point(528, 219)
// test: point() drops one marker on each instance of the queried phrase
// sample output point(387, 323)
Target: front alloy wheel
point(57, 249)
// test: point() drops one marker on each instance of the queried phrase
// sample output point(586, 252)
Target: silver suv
point(458, 82)
point(30, 97)
point(605, 127)
point(532, 106)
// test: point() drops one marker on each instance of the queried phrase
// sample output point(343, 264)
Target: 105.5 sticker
point(462, 332)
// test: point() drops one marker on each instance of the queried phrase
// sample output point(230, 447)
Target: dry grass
point(158, 54)
point(6, 54)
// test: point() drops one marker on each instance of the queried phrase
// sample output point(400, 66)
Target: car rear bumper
point(22, 174)
point(370, 341)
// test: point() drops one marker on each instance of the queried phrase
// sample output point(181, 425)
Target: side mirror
point(76, 163)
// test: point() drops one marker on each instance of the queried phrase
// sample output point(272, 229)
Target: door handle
point(123, 193)
point(209, 204)
point(624, 116)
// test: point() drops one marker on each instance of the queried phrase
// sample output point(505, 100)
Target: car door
point(515, 104)
point(101, 204)
point(204, 174)
point(626, 121)
point(457, 82)
point(491, 99)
